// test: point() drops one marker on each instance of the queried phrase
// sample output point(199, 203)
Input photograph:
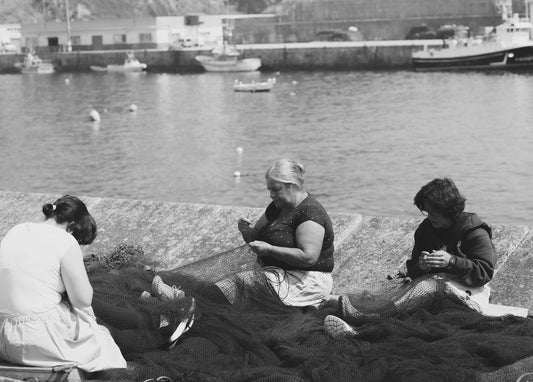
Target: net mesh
point(414, 338)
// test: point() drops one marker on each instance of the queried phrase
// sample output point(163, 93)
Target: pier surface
point(201, 236)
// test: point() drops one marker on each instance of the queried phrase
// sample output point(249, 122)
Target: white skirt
point(300, 288)
point(59, 336)
point(294, 288)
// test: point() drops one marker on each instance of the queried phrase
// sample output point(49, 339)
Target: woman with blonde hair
point(293, 241)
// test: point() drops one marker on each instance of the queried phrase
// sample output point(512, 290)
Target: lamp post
point(69, 43)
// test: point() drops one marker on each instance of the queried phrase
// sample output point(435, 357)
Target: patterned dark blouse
point(282, 233)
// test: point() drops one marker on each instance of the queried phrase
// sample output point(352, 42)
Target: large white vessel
point(507, 46)
point(225, 58)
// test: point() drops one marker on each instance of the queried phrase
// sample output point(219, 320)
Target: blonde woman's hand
point(260, 248)
point(244, 224)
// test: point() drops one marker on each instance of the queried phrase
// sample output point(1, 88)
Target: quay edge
point(318, 55)
point(201, 237)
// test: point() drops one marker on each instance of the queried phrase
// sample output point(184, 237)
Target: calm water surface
point(368, 140)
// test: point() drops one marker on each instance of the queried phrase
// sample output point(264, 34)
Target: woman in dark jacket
point(453, 255)
point(450, 240)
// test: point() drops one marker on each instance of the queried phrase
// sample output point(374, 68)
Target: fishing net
point(413, 338)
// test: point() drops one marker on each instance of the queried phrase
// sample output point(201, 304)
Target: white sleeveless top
point(36, 328)
point(30, 278)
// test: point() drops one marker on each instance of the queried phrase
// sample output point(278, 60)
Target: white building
point(10, 37)
point(169, 32)
point(529, 9)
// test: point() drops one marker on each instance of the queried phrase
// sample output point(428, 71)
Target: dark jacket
point(469, 239)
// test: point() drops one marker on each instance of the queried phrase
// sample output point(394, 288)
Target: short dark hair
point(71, 210)
point(442, 195)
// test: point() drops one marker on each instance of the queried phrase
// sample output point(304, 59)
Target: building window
point(75, 40)
point(145, 37)
point(119, 38)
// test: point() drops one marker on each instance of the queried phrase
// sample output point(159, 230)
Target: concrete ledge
point(203, 237)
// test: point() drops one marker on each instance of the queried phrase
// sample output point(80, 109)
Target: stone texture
point(379, 247)
point(513, 284)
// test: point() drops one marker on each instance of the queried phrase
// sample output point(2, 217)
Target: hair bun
point(48, 208)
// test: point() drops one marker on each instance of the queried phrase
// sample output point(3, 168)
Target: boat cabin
point(514, 31)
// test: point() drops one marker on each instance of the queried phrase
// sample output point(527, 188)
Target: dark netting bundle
point(259, 339)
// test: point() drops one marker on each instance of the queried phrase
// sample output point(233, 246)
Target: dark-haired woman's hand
point(438, 259)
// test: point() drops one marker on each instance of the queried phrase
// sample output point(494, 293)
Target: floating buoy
point(239, 150)
point(237, 174)
point(95, 116)
point(133, 107)
point(292, 94)
point(295, 82)
point(67, 81)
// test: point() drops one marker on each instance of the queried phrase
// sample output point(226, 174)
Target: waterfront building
point(163, 33)
point(9, 38)
point(529, 9)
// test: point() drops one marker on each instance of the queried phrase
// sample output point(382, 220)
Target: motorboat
point(225, 58)
point(34, 64)
point(131, 64)
point(254, 87)
point(507, 46)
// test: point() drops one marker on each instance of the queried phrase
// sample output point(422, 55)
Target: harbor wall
point(323, 55)
point(261, 31)
point(205, 240)
point(378, 19)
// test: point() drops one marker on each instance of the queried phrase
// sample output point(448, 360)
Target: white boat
point(34, 64)
point(254, 87)
point(226, 59)
point(131, 64)
point(507, 46)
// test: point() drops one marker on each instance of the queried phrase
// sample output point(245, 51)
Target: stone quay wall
point(197, 236)
point(317, 55)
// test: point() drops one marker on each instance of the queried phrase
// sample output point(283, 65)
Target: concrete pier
point(204, 237)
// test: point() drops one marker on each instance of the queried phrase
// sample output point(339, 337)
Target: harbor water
point(368, 140)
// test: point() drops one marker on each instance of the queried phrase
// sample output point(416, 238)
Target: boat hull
point(210, 64)
point(118, 68)
point(253, 88)
point(38, 70)
point(460, 59)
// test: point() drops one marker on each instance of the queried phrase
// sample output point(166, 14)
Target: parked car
point(421, 32)
point(182, 43)
point(339, 35)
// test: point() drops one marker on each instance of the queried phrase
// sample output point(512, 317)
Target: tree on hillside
point(253, 6)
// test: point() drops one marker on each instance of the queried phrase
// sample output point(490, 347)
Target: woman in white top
point(46, 317)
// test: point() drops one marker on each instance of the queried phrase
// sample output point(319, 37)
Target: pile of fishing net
point(258, 339)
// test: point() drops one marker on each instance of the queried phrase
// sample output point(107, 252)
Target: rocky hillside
point(23, 11)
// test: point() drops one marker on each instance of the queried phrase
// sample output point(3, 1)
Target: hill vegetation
point(26, 11)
